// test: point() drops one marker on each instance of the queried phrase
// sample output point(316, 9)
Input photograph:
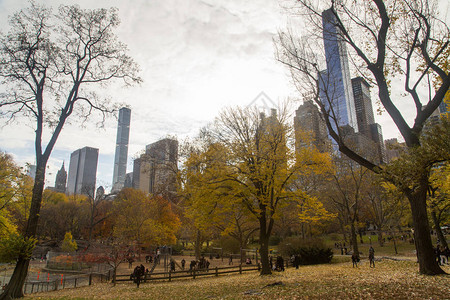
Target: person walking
point(372, 257)
point(355, 259)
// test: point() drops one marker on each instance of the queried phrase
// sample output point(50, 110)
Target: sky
point(196, 57)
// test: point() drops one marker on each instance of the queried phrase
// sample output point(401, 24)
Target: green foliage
point(311, 251)
point(274, 240)
point(177, 249)
point(69, 245)
point(16, 246)
point(228, 244)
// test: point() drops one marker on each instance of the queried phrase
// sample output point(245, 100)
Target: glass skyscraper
point(120, 159)
point(335, 88)
point(82, 171)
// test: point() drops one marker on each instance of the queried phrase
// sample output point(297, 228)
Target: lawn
point(389, 280)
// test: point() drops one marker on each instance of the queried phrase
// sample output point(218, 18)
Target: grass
point(389, 280)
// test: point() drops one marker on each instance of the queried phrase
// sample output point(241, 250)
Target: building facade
point(154, 171)
point(308, 119)
point(61, 179)
point(335, 89)
point(82, 171)
point(120, 158)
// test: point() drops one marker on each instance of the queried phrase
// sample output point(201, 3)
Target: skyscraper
point(365, 117)
point(155, 171)
point(60, 181)
point(120, 159)
point(83, 171)
point(335, 89)
point(307, 118)
point(363, 105)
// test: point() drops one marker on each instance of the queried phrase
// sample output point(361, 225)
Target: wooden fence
point(191, 273)
point(35, 286)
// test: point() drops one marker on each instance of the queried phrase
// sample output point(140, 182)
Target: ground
point(388, 280)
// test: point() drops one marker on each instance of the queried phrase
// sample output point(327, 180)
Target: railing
point(191, 273)
point(61, 281)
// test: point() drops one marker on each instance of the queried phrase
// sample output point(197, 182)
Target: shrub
point(177, 249)
point(311, 251)
point(274, 240)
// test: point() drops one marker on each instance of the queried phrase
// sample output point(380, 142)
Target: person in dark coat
point(280, 263)
point(372, 256)
point(183, 263)
point(355, 259)
point(297, 261)
point(138, 272)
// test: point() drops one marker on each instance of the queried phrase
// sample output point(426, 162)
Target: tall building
point(120, 159)
point(365, 117)
point(363, 105)
point(307, 119)
point(394, 149)
point(335, 89)
point(83, 171)
point(155, 171)
point(60, 181)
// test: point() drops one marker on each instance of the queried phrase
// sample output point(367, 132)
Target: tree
point(69, 244)
point(388, 38)
point(440, 199)
point(250, 161)
point(14, 195)
point(49, 66)
point(144, 219)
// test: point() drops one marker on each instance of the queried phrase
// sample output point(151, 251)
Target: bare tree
point(389, 40)
point(49, 65)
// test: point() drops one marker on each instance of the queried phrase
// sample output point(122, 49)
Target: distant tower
point(120, 160)
point(307, 118)
point(365, 117)
point(83, 171)
point(363, 105)
point(60, 182)
point(155, 171)
point(334, 82)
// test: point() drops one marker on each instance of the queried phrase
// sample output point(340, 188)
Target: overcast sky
point(196, 58)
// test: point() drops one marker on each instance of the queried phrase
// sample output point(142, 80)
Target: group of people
point(279, 263)
point(295, 261)
point(442, 254)
point(138, 273)
point(201, 264)
point(356, 259)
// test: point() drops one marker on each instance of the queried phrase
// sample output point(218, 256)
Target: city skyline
point(196, 58)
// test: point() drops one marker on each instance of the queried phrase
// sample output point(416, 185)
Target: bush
point(228, 244)
point(274, 240)
point(177, 249)
point(311, 251)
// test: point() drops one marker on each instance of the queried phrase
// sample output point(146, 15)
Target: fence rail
point(35, 286)
point(190, 273)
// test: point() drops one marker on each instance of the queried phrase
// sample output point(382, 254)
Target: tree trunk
point(424, 247)
point(380, 238)
point(264, 252)
point(14, 289)
point(197, 246)
point(354, 238)
point(437, 226)
point(395, 242)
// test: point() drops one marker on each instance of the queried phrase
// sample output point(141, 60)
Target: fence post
point(240, 269)
point(76, 281)
point(194, 274)
point(217, 272)
point(32, 288)
point(170, 275)
point(90, 278)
